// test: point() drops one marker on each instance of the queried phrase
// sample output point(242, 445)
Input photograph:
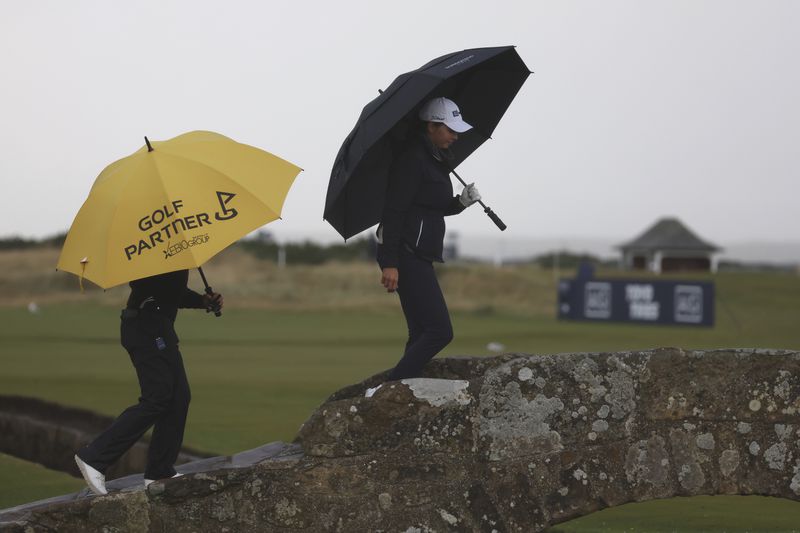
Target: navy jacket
point(418, 198)
point(169, 292)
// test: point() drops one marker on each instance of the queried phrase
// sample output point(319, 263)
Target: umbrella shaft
point(209, 290)
point(203, 276)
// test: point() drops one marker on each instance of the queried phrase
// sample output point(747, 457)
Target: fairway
point(257, 374)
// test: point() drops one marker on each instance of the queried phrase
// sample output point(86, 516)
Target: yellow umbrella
point(173, 205)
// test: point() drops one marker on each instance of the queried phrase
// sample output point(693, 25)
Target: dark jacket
point(164, 294)
point(418, 198)
point(156, 300)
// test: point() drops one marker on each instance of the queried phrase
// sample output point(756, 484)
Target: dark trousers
point(163, 404)
point(429, 327)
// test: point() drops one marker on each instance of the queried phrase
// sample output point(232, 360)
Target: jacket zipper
point(420, 233)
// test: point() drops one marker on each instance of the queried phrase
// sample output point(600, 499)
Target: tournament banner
point(671, 302)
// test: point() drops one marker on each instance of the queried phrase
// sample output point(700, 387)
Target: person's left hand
point(213, 301)
point(390, 277)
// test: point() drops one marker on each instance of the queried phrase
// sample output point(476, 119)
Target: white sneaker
point(372, 390)
point(147, 482)
point(93, 477)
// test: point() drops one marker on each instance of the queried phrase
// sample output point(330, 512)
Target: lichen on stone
point(705, 441)
point(647, 462)
point(754, 448)
point(728, 462)
point(775, 456)
point(525, 374)
point(794, 485)
point(622, 396)
point(438, 392)
point(509, 419)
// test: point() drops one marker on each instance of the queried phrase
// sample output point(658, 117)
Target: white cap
point(445, 111)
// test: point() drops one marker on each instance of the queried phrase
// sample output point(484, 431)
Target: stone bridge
point(511, 443)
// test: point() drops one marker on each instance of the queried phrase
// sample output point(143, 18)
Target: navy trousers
point(163, 405)
point(429, 327)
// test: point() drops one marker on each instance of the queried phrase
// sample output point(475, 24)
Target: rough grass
point(246, 282)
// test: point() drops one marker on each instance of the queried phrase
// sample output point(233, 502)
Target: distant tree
point(16, 243)
point(56, 241)
point(308, 252)
point(20, 243)
point(567, 259)
point(753, 266)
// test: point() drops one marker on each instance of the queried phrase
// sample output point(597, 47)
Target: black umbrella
point(482, 81)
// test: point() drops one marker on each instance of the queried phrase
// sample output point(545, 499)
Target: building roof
point(669, 233)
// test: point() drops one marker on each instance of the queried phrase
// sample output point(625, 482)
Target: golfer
point(148, 334)
point(411, 233)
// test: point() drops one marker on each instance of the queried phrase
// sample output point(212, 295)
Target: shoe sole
point(85, 474)
point(148, 482)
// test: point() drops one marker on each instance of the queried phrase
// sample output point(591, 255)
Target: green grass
point(730, 514)
point(22, 482)
point(257, 374)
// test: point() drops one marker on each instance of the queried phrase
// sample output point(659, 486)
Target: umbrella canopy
point(482, 81)
point(172, 205)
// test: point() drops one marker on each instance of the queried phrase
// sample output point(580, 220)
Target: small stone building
point(669, 246)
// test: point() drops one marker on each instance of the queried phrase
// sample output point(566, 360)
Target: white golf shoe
point(372, 390)
point(93, 477)
point(147, 482)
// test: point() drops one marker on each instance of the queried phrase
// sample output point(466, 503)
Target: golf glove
point(469, 195)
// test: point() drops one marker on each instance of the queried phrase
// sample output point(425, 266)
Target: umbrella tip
point(380, 92)
point(149, 147)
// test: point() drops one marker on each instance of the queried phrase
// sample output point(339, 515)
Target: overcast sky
point(636, 110)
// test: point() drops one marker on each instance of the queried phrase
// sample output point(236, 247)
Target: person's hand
point(469, 195)
point(213, 301)
point(389, 278)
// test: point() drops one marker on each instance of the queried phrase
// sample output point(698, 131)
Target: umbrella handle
point(496, 219)
point(209, 291)
point(486, 209)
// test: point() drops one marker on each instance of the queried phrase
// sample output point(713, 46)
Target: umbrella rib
point(409, 73)
point(114, 218)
